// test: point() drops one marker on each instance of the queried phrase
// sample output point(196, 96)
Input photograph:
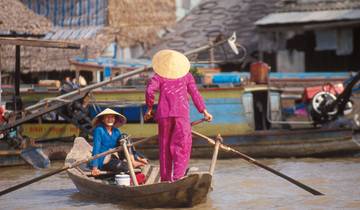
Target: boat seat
point(146, 170)
point(154, 175)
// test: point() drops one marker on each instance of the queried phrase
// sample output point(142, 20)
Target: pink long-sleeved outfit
point(173, 119)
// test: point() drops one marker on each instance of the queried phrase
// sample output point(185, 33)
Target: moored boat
point(185, 192)
point(237, 116)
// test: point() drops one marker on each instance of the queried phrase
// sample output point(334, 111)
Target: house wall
point(328, 60)
point(305, 52)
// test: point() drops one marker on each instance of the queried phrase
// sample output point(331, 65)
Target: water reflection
point(237, 184)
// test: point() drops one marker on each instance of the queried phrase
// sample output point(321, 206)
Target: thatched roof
point(213, 19)
point(18, 18)
point(139, 21)
point(129, 23)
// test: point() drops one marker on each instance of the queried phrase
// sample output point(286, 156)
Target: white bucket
point(122, 179)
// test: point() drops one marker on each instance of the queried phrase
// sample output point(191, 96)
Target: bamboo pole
point(218, 141)
point(129, 162)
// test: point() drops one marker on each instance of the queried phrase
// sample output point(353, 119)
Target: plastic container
point(122, 179)
point(226, 78)
point(259, 72)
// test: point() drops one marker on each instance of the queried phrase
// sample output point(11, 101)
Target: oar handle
point(197, 122)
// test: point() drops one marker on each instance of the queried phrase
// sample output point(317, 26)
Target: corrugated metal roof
point(115, 63)
point(307, 17)
point(317, 5)
point(73, 33)
point(70, 12)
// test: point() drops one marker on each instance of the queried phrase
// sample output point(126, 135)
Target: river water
point(237, 185)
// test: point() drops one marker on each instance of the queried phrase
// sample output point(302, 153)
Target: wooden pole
point(253, 161)
point(131, 168)
point(211, 55)
point(218, 141)
point(0, 78)
point(17, 79)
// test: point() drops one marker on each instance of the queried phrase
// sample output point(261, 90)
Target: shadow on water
point(59, 192)
point(81, 200)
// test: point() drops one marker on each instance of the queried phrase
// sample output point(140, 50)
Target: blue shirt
point(103, 141)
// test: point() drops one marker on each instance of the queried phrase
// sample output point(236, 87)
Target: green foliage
point(195, 72)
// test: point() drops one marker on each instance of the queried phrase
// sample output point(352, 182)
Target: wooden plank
point(9, 152)
point(146, 170)
point(39, 43)
point(154, 173)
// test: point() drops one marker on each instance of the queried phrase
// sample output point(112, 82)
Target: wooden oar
point(253, 161)
point(77, 163)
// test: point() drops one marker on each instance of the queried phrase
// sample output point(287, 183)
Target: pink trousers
point(174, 147)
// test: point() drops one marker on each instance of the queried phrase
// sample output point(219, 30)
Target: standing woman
point(174, 82)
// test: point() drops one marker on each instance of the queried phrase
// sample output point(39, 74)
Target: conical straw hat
point(170, 64)
point(82, 81)
point(119, 118)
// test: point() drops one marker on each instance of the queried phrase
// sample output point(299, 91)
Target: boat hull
point(187, 192)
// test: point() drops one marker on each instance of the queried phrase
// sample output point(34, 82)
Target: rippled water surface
point(237, 185)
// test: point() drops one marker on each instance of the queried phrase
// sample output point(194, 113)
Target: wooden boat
point(186, 192)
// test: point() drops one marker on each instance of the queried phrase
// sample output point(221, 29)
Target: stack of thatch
point(16, 17)
point(138, 21)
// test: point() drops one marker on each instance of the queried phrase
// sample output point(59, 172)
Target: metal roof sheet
point(59, 33)
point(306, 17)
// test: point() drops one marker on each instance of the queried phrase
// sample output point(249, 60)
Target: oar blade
point(35, 157)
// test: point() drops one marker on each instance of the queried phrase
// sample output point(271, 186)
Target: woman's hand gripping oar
point(77, 163)
point(253, 161)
